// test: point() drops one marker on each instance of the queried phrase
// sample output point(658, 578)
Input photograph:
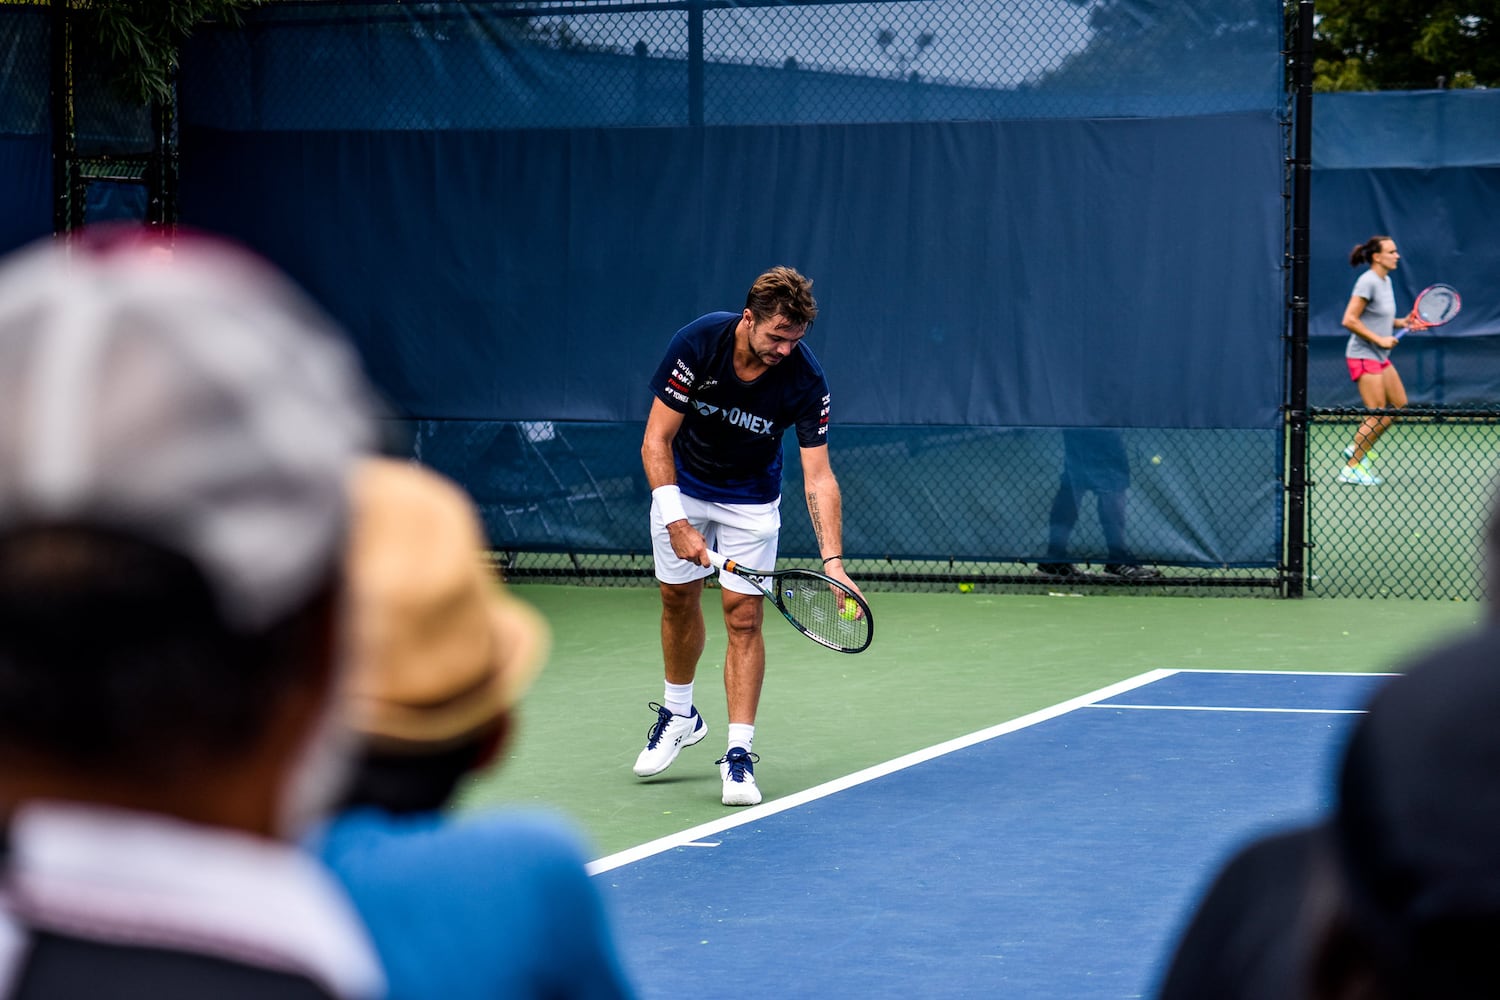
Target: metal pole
point(161, 174)
point(1297, 417)
point(60, 111)
point(695, 63)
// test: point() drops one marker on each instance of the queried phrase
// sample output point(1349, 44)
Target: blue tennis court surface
point(1053, 856)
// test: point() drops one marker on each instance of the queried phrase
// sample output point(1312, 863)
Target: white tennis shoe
point(668, 735)
point(737, 767)
point(1357, 475)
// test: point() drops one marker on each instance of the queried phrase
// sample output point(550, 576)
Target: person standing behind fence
point(486, 906)
point(1370, 317)
point(1094, 461)
point(726, 391)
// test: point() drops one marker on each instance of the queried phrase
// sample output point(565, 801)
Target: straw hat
point(440, 649)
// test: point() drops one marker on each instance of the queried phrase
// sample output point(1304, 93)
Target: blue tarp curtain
point(25, 140)
point(987, 279)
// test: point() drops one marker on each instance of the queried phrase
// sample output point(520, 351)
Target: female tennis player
point(1370, 317)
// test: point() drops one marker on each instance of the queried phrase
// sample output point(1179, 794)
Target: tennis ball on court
point(851, 609)
point(1155, 459)
point(966, 588)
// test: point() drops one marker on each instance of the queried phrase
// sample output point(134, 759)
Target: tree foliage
point(1358, 44)
point(137, 42)
point(1174, 44)
point(1406, 44)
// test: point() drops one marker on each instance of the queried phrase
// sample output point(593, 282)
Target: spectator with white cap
point(176, 436)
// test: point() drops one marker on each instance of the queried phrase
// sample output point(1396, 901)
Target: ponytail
point(1363, 252)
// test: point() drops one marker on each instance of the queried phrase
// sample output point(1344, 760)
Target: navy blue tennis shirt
point(729, 447)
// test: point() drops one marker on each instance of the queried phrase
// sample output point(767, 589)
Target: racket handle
point(716, 560)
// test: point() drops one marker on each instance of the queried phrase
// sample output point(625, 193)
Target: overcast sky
point(980, 42)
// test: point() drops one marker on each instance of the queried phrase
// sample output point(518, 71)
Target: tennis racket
point(1435, 305)
point(818, 606)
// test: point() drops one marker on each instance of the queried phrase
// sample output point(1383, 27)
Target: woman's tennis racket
point(1435, 305)
point(820, 607)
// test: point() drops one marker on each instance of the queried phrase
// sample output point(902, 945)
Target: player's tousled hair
point(1364, 252)
point(114, 655)
point(785, 291)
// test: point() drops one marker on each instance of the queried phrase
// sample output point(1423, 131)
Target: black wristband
point(832, 558)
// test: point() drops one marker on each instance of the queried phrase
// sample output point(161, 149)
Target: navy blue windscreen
point(25, 139)
point(513, 219)
point(115, 201)
point(936, 492)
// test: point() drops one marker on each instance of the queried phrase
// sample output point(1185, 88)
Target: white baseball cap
point(187, 394)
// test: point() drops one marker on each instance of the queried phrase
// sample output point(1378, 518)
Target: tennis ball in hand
point(851, 609)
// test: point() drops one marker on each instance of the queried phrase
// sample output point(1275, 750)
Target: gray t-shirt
point(1378, 317)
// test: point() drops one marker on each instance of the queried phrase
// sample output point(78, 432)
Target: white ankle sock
point(741, 735)
point(679, 698)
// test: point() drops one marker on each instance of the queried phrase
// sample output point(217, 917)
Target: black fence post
point(695, 62)
point(60, 110)
point(161, 173)
point(1295, 570)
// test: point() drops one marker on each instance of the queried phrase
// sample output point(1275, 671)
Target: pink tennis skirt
point(1365, 366)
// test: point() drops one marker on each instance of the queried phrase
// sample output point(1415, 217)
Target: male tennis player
point(728, 388)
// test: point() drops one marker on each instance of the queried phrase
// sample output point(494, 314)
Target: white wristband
point(669, 501)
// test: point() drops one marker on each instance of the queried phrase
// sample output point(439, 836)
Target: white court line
point(1233, 708)
point(1294, 673)
point(1279, 673)
point(755, 813)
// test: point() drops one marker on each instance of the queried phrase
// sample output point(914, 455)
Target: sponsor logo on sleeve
point(680, 382)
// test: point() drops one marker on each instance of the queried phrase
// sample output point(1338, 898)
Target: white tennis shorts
point(748, 533)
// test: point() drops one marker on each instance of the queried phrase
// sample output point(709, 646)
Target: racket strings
point(1437, 305)
point(1436, 308)
point(813, 603)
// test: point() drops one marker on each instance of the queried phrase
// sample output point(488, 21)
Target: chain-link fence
point(557, 64)
point(26, 151)
point(1415, 532)
point(601, 63)
point(932, 493)
point(1070, 510)
point(24, 65)
point(113, 159)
